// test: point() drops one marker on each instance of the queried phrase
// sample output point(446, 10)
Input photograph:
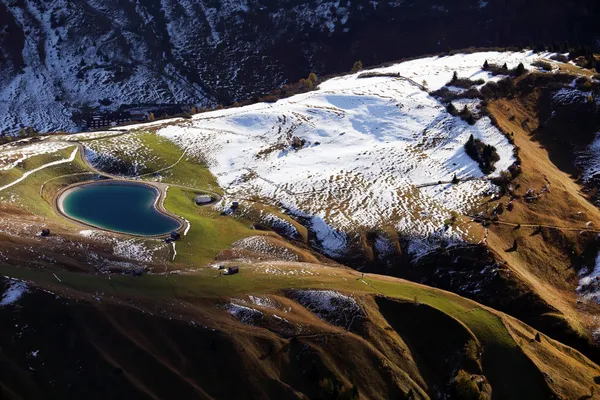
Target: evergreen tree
point(455, 76)
point(471, 141)
point(452, 109)
point(486, 65)
point(505, 67)
point(520, 70)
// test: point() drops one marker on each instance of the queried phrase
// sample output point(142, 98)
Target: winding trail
point(161, 185)
point(33, 171)
point(557, 227)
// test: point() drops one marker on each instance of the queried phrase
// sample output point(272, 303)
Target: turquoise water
point(122, 207)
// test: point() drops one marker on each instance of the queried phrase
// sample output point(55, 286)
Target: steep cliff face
point(58, 58)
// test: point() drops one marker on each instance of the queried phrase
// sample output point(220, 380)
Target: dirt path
point(562, 228)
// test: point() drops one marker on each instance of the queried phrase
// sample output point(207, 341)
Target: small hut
point(203, 199)
point(232, 270)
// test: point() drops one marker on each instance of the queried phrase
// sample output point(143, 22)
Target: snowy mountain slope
point(59, 58)
point(373, 152)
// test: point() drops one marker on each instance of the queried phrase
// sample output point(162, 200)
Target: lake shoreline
point(158, 206)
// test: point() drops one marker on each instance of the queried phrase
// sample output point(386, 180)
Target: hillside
point(72, 56)
point(164, 336)
point(322, 200)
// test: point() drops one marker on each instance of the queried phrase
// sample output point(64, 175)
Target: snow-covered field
point(357, 154)
point(368, 146)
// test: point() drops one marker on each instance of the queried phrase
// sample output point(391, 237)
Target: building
point(231, 271)
point(101, 120)
point(203, 199)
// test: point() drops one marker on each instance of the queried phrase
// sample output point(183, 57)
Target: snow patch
point(331, 306)
point(16, 290)
point(244, 314)
point(589, 282)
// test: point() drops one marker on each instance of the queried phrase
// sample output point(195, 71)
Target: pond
point(118, 206)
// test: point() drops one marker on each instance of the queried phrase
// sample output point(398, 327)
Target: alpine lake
point(123, 207)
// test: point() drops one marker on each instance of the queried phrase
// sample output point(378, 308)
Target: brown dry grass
point(543, 261)
point(567, 372)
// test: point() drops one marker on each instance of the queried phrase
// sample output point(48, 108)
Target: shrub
point(271, 98)
point(350, 394)
point(472, 351)
point(358, 66)
point(499, 210)
point(546, 66)
point(306, 83)
point(464, 83)
point(560, 58)
point(495, 69)
point(472, 93)
point(464, 386)
point(375, 74)
point(485, 155)
point(444, 94)
point(298, 143)
point(313, 78)
point(502, 88)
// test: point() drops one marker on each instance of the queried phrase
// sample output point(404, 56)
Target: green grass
point(189, 171)
point(27, 192)
point(13, 174)
point(157, 153)
point(210, 232)
point(503, 360)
